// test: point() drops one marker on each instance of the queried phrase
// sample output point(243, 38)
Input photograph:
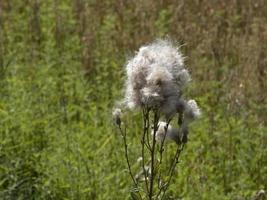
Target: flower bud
point(117, 116)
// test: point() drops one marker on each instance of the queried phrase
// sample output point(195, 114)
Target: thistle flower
point(155, 78)
point(170, 132)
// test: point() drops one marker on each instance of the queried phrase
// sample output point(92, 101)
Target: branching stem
point(123, 134)
point(171, 170)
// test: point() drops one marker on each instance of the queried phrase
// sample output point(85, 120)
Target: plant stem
point(127, 158)
point(155, 128)
point(145, 131)
point(161, 150)
point(171, 170)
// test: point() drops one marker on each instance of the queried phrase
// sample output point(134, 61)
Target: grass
point(62, 70)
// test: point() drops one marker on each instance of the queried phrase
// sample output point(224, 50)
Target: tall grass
point(61, 65)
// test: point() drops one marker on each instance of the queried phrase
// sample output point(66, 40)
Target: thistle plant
point(156, 77)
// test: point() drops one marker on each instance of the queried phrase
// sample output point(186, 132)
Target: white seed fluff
point(155, 77)
point(191, 113)
point(170, 132)
point(116, 112)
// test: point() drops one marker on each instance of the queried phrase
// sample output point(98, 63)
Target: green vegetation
point(62, 69)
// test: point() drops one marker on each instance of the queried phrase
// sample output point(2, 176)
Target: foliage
point(61, 68)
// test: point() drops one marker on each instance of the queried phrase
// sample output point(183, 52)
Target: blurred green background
point(62, 69)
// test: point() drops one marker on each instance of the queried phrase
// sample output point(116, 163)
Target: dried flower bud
point(117, 116)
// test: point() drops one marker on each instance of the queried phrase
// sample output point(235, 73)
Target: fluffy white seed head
point(155, 77)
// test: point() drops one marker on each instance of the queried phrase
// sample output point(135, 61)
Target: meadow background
point(62, 69)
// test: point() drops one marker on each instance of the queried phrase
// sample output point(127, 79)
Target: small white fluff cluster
point(155, 77)
point(116, 113)
point(191, 112)
point(170, 132)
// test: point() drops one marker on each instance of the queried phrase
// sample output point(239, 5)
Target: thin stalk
point(155, 128)
point(171, 170)
point(162, 142)
point(146, 127)
point(147, 135)
point(127, 157)
point(145, 131)
point(161, 150)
